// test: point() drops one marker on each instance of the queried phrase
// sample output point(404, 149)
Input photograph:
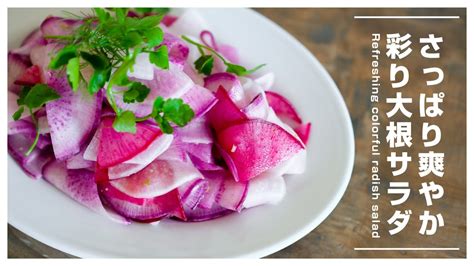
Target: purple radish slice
point(78, 162)
point(174, 153)
point(283, 108)
point(21, 126)
point(117, 147)
point(142, 69)
point(224, 191)
point(265, 189)
point(78, 184)
point(201, 151)
point(41, 56)
point(303, 131)
point(197, 131)
point(257, 108)
point(195, 77)
point(204, 166)
point(141, 160)
point(158, 178)
point(54, 26)
point(200, 214)
point(215, 181)
point(192, 192)
point(71, 118)
point(143, 209)
point(33, 164)
point(254, 146)
point(200, 100)
point(225, 112)
point(16, 67)
point(230, 83)
point(178, 50)
point(35, 38)
point(90, 153)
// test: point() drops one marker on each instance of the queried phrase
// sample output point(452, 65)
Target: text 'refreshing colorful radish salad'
point(140, 116)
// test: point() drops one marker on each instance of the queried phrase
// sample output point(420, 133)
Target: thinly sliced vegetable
point(303, 132)
point(254, 146)
point(33, 164)
point(168, 20)
point(141, 209)
point(178, 50)
point(266, 81)
point(257, 108)
point(204, 166)
point(117, 147)
point(78, 162)
point(200, 214)
point(57, 26)
point(230, 83)
point(158, 178)
point(265, 189)
point(200, 100)
point(35, 38)
point(195, 132)
point(192, 192)
point(143, 69)
point(71, 118)
point(30, 77)
point(16, 67)
point(141, 160)
point(283, 108)
point(225, 112)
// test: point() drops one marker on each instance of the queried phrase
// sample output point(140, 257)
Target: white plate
point(47, 215)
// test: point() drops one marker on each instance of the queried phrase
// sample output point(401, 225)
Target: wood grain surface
point(343, 44)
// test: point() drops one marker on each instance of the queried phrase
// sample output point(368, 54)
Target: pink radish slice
point(283, 108)
point(224, 191)
point(33, 164)
point(196, 78)
point(200, 100)
point(78, 162)
point(158, 178)
point(116, 147)
point(34, 39)
point(197, 131)
point(215, 181)
point(90, 153)
point(303, 132)
point(174, 153)
point(168, 20)
point(200, 151)
point(225, 112)
point(230, 83)
point(254, 146)
point(71, 118)
point(78, 184)
point(192, 192)
point(141, 160)
point(265, 189)
point(16, 67)
point(21, 126)
point(143, 209)
point(178, 50)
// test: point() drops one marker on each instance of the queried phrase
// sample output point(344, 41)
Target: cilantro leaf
point(136, 93)
point(98, 80)
point(125, 122)
point(160, 57)
point(164, 125)
point(73, 73)
point(63, 56)
point(204, 64)
point(101, 14)
point(39, 95)
point(18, 113)
point(154, 36)
point(157, 106)
point(21, 99)
point(177, 112)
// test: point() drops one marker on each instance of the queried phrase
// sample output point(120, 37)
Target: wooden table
point(343, 45)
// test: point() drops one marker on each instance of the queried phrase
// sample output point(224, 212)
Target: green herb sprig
point(205, 62)
point(110, 42)
point(33, 98)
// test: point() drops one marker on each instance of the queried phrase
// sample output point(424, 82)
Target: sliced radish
point(54, 26)
point(30, 77)
point(225, 112)
point(18, 145)
point(197, 131)
point(78, 162)
point(204, 166)
point(143, 68)
point(265, 189)
point(141, 160)
point(34, 39)
point(158, 178)
point(178, 50)
point(168, 20)
point(257, 108)
point(117, 147)
point(283, 108)
point(71, 118)
point(303, 132)
point(266, 81)
point(16, 67)
point(200, 214)
point(254, 146)
point(202, 151)
point(90, 153)
point(192, 192)
point(143, 209)
point(200, 100)
point(230, 83)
